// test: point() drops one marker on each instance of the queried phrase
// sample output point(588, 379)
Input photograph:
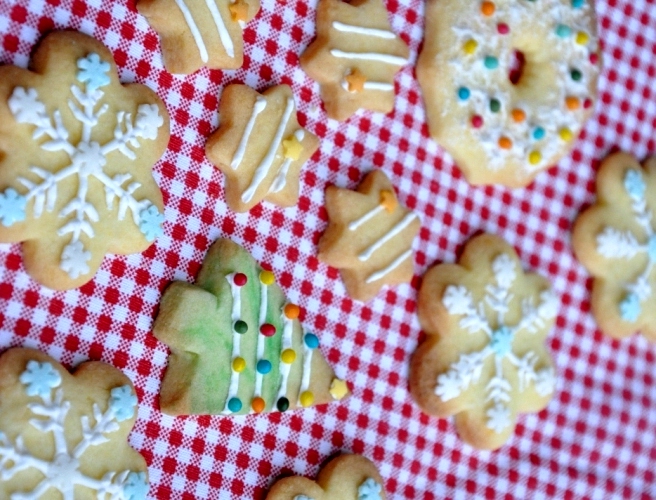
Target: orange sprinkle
point(505, 143)
point(518, 115)
point(292, 311)
point(388, 200)
point(572, 103)
point(258, 405)
point(487, 8)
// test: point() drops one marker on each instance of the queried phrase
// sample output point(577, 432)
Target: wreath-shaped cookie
point(484, 360)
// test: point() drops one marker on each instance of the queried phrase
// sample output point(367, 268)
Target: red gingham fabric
point(596, 439)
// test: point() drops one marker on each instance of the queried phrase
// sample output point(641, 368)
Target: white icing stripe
point(388, 269)
point(366, 217)
point(263, 168)
point(221, 28)
point(261, 339)
point(285, 368)
point(307, 369)
point(370, 56)
point(361, 30)
point(236, 339)
point(281, 179)
point(193, 27)
point(382, 86)
point(405, 222)
point(258, 107)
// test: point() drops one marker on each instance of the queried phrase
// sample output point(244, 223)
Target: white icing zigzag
point(467, 369)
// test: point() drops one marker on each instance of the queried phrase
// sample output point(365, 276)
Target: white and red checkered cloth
point(596, 439)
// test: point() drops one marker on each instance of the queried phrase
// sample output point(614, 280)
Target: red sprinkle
point(594, 58)
point(268, 330)
point(503, 28)
point(240, 279)
point(477, 121)
point(587, 103)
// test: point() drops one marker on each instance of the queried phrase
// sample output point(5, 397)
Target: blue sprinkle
point(563, 31)
point(263, 366)
point(577, 4)
point(491, 62)
point(311, 340)
point(463, 93)
point(538, 133)
point(234, 405)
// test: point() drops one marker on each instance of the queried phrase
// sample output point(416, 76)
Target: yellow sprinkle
point(292, 148)
point(288, 356)
point(470, 46)
point(582, 38)
point(338, 389)
point(565, 134)
point(534, 157)
point(307, 398)
point(238, 364)
point(267, 278)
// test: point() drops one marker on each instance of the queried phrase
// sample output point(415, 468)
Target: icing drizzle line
point(389, 268)
point(400, 226)
point(370, 56)
point(280, 181)
point(360, 30)
point(236, 338)
point(264, 302)
point(258, 107)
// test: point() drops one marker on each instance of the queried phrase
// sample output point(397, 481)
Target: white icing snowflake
point(467, 369)
point(87, 159)
point(63, 472)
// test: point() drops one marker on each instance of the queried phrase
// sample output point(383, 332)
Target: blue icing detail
point(501, 341)
point(40, 378)
point(311, 340)
point(12, 207)
point(122, 402)
point(630, 308)
point(651, 248)
point(634, 184)
point(234, 405)
point(264, 366)
point(93, 71)
point(370, 489)
point(150, 223)
point(136, 486)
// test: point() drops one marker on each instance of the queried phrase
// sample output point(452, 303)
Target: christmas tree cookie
point(65, 435)
point(236, 343)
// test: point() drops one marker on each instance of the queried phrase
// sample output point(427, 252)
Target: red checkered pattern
point(596, 439)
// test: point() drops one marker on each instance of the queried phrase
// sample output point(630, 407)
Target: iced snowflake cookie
point(76, 153)
point(484, 359)
point(197, 33)
point(65, 436)
point(508, 84)
point(236, 343)
point(347, 477)
point(354, 57)
point(259, 146)
point(369, 236)
point(615, 239)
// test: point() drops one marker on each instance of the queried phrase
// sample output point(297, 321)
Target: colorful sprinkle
point(338, 388)
point(470, 46)
point(234, 405)
point(582, 38)
point(258, 405)
point(495, 105)
point(587, 103)
point(291, 311)
point(282, 404)
point(572, 103)
point(477, 121)
point(267, 278)
point(388, 201)
point(288, 356)
point(505, 143)
point(240, 279)
point(239, 364)
point(487, 8)
point(565, 134)
point(463, 93)
point(576, 74)
point(563, 31)
point(240, 326)
point(577, 4)
point(306, 399)
point(268, 330)
point(518, 115)
point(264, 366)
point(594, 58)
point(534, 157)
point(503, 29)
point(311, 340)
point(538, 133)
point(491, 62)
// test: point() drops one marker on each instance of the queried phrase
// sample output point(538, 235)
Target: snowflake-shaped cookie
point(66, 434)
point(76, 155)
point(484, 360)
point(615, 239)
point(259, 146)
point(369, 236)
